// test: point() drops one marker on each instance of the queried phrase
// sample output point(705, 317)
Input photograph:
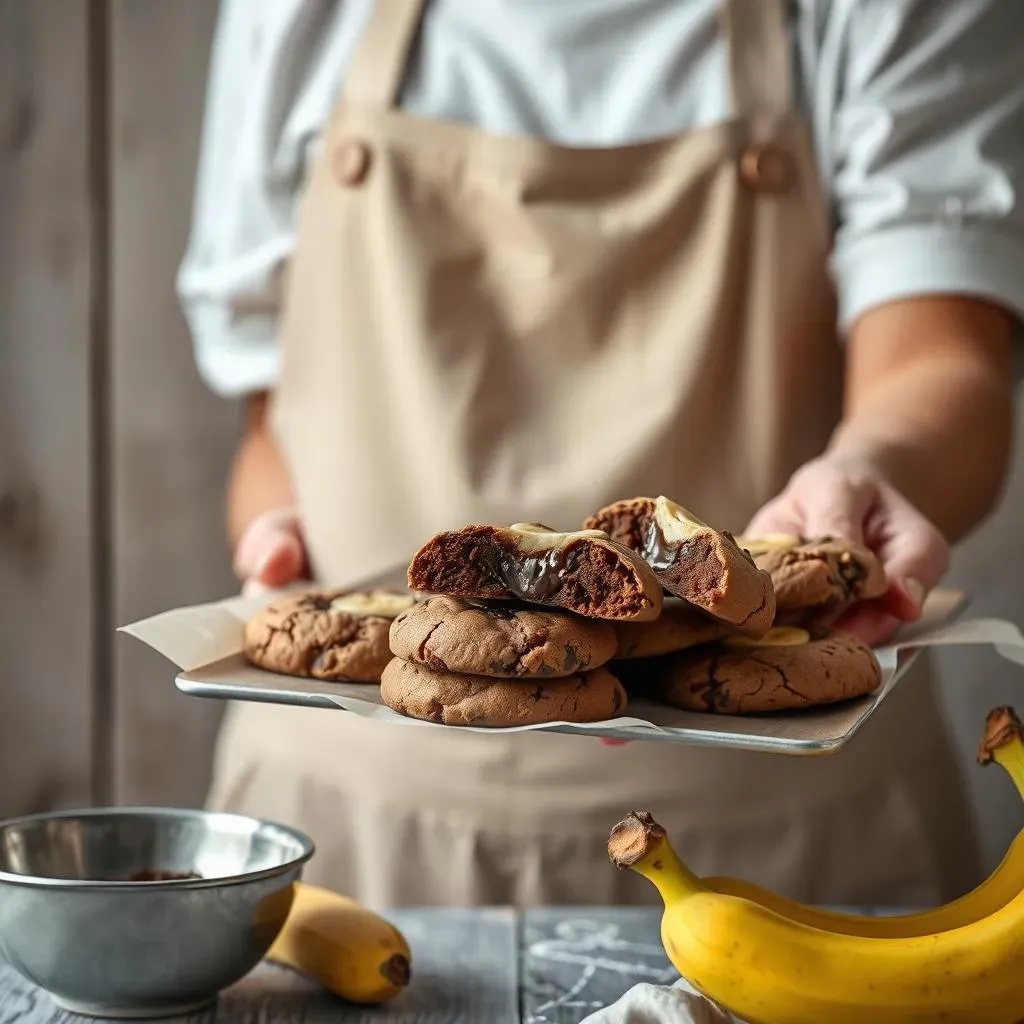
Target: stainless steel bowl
point(73, 920)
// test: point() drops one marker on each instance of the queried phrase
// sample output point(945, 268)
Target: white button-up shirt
point(916, 107)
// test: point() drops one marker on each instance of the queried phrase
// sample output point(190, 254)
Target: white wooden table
point(500, 966)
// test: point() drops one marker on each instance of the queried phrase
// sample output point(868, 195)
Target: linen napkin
point(662, 1004)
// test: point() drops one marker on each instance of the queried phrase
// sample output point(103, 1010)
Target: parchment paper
point(204, 642)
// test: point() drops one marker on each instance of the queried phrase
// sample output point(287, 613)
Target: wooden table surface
point(485, 966)
point(497, 966)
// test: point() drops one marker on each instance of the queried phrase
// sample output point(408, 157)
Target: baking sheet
point(204, 643)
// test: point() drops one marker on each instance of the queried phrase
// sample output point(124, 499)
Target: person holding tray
point(488, 263)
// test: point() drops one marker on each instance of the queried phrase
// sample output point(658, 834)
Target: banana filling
point(377, 604)
point(777, 636)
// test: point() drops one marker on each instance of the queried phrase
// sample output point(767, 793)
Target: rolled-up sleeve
point(245, 198)
point(924, 144)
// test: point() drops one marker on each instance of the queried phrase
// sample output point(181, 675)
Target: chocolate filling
point(483, 562)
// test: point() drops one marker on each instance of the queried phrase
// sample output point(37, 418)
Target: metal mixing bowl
point(73, 921)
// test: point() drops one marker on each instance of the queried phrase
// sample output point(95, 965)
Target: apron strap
point(757, 35)
point(376, 69)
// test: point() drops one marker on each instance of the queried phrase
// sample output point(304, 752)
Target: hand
point(271, 552)
point(848, 497)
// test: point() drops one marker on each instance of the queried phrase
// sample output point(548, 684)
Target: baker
point(495, 262)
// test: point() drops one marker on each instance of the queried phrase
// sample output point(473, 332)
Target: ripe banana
point(1005, 882)
point(996, 891)
point(349, 949)
point(769, 965)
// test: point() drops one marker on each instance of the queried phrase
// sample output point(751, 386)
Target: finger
point(904, 599)
point(914, 554)
point(281, 562)
point(253, 588)
point(261, 536)
point(838, 507)
point(778, 516)
point(251, 546)
point(870, 622)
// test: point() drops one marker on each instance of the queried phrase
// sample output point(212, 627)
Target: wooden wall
point(171, 439)
point(49, 278)
point(112, 454)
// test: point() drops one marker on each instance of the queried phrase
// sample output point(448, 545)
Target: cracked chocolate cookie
point(584, 572)
point(335, 635)
point(817, 580)
point(679, 627)
point(735, 678)
point(691, 560)
point(451, 699)
point(449, 634)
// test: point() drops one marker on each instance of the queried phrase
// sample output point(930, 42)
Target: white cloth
point(917, 110)
point(660, 1004)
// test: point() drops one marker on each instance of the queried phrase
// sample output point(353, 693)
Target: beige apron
point(492, 329)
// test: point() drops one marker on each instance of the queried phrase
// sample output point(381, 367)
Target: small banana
point(770, 965)
point(349, 949)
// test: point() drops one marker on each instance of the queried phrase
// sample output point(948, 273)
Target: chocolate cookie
point(824, 576)
point(451, 699)
point(729, 678)
point(336, 635)
point(448, 634)
point(679, 626)
point(584, 572)
point(693, 561)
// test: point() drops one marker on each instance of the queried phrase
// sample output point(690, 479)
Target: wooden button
point(351, 162)
point(767, 169)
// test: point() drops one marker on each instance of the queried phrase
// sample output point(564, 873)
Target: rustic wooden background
point(113, 455)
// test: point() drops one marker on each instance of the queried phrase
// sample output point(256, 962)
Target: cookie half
point(449, 634)
point(692, 561)
point(825, 575)
point(679, 627)
point(584, 572)
point(448, 698)
point(335, 635)
point(733, 679)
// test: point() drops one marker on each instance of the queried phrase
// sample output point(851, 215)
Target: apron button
point(351, 162)
point(767, 169)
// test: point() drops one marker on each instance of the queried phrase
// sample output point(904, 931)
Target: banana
point(769, 966)
point(349, 949)
point(381, 604)
point(996, 891)
point(1005, 882)
point(777, 636)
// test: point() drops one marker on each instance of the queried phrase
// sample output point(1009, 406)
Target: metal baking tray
point(817, 731)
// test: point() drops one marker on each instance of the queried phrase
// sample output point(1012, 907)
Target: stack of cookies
point(518, 628)
point(751, 629)
point(523, 625)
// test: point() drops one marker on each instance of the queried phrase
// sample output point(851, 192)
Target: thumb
point(282, 561)
point(838, 508)
point(914, 554)
point(271, 552)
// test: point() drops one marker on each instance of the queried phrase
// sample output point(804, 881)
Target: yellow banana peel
point(348, 948)
point(770, 960)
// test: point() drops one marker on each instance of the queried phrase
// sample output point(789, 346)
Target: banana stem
point(1003, 743)
point(639, 843)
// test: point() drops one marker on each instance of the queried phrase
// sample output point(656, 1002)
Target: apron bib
point(481, 328)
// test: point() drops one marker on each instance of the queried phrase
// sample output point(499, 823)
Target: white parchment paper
point(204, 642)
